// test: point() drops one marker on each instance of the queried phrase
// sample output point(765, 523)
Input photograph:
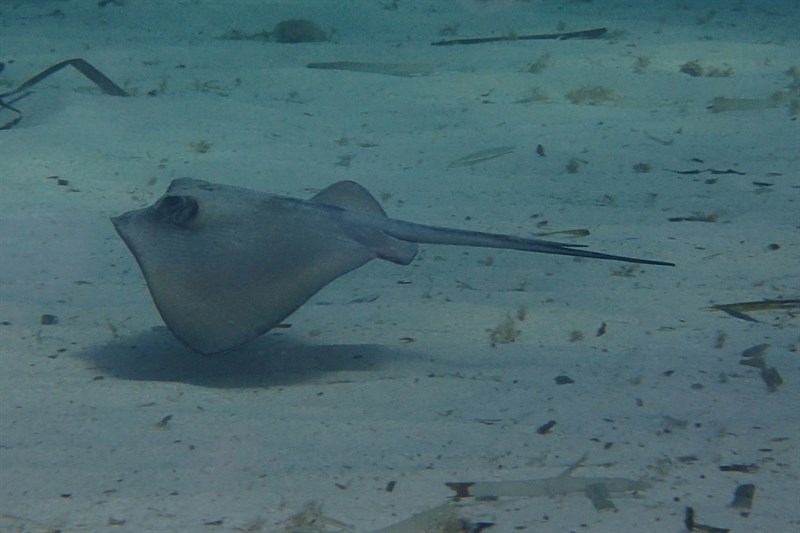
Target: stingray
point(225, 264)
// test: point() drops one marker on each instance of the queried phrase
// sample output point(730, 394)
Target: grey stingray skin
point(226, 264)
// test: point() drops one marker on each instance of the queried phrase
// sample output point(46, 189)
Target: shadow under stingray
point(269, 361)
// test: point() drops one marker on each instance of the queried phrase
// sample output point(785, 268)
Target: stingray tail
point(421, 233)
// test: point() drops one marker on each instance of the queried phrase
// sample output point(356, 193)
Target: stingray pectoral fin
point(351, 196)
point(355, 202)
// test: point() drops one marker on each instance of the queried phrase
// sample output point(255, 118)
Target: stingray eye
point(178, 210)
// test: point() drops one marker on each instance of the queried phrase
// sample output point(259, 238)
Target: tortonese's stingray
point(226, 264)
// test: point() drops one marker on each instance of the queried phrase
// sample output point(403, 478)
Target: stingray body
point(226, 264)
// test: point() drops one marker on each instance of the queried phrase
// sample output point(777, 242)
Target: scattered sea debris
point(739, 467)
point(772, 378)
point(754, 357)
point(505, 332)
point(310, 519)
point(481, 156)
point(713, 171)
point(534, 94)
point(696, 217)
point(691, 525)
point(788, 96)
point(95, 76)
point(597, 489)
point(574, 165)
point(545, 428)
point(539, 65)
point(595, 33)
point(591, 95)
point(441, 519)
point(694, 68)
point(15, 523)
point(390, 69)
point(743, 496)
point(163, 423)
point(642, 62)
point(298, 31)
point(741, 309)
point(565, 232)
point(286, 31)
point(721, 103)
point(48, 319)
point(576, 335)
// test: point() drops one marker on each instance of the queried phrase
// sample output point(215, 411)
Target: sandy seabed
point(672, 137)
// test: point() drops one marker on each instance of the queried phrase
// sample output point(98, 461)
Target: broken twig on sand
point(595, 33)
